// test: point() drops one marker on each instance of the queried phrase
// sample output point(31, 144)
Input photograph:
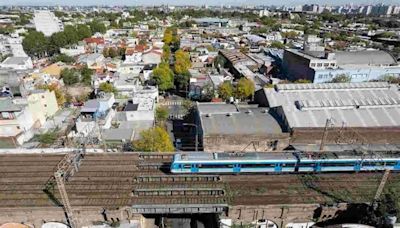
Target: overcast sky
point(191, 2)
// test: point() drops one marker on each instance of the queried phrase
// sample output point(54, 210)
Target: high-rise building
point(46, 22)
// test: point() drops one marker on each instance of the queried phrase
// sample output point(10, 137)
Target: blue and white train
point(284, 162)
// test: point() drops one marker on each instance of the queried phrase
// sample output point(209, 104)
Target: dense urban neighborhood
point(200, 116)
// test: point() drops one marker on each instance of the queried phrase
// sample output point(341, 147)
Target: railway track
point(117, 180)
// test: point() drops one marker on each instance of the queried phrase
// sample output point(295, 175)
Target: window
point(18, 127)
point(6, 115)
point(326, 64)
point(45, 105)
point(332, 64)
point(319, 64)
point(257, 165)
point(42, 96)
point(312, 64)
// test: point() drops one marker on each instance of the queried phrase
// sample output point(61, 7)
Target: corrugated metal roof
point(364, 58)
point(372, 107)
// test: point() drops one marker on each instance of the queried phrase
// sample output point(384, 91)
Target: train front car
point(348, 161)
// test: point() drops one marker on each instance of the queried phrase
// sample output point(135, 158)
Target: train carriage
point(283, 162)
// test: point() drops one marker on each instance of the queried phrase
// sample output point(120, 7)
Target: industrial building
point(232, 127)
point(317, 65)
point(349, 112)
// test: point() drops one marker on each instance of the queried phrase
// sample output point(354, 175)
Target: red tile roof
point(92, 40)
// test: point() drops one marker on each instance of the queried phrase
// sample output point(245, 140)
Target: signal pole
point(382, 185)
point(325, 135)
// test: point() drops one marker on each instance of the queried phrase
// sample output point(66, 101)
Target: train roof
point(289, 155)
point(350, 154)
point(197, 156)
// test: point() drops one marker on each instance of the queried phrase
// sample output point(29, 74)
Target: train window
point(338, 164)
point(186, 166)
point(378, 163)
point(390, 163)
point(307, 165)
point(369, 164)
point(288, 165)
point(257, 165)
point(210, 166)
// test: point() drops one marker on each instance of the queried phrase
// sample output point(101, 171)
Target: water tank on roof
point(54, 225)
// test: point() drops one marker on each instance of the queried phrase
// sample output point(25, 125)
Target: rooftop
point(118, 134)
point(351, 58)
point(15, 60)
point(351, 104)
point(228, 119)
point(6, 105)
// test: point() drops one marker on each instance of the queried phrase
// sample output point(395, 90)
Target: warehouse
point(234, 127)
point(351, 112)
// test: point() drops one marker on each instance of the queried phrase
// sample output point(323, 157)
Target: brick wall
point(220, 143)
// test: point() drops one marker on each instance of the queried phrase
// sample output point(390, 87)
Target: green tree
point(182, 80)
point(219, 61)
point(83, 31)
point(71, 34)
point(164, 77)
point(390, 78)
point(110, 52)
point(86, 75)
point(58, 39)
point(290, 35)
point(107, 88)
point(70, 76)
point(47, 138)
point(166, 53)
point(154, 140)
point(182, 62)
point(168, 36)
point(245, 88)
point(225, 90)
point(161, 114)
point(277, 44)
point(63, 58)
point(96, 26)
point(35, 44)
point(341, 78)
point(57, 91)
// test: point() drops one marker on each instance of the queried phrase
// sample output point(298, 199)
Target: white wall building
point(46, 22)
point(17, 63)
point(10, 45)
point(73, 51)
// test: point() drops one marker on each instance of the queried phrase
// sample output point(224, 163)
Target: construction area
point(96, 187)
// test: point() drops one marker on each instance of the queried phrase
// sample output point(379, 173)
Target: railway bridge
point(119, 186)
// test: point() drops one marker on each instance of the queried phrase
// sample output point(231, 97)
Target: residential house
point(54, 70)
point(152, 57)
point(16, 123)
point(95, 114)
point(17, 63)
point(92, 61)
point(74, 50)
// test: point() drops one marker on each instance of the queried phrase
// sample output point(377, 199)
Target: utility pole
point(382, 185)
point(60, 180)
point(325, 134)
point(66, 168)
